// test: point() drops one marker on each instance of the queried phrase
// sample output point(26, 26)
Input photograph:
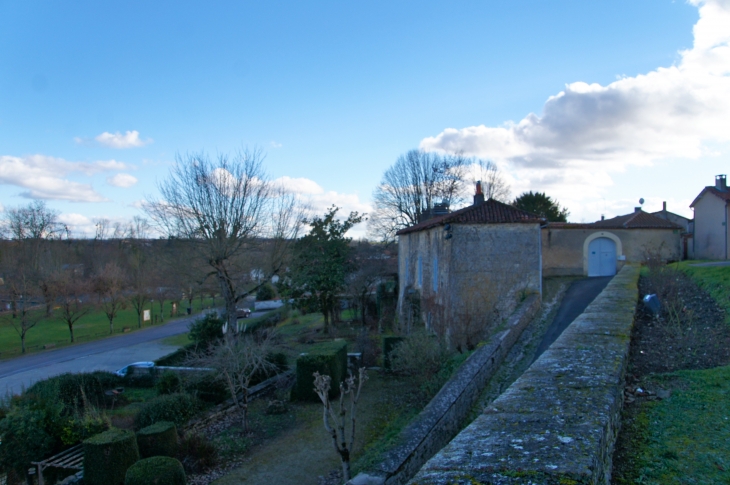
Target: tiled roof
point(635, 220)
point(489, 212)
point(712, 190)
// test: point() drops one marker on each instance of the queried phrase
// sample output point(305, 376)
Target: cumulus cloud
point(589, 131)
point(46, 177)
point(298, 185)
point(129, 139)
point(123, 180)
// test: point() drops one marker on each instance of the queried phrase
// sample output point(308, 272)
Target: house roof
point(658, 214)
point(712, 190)
point(635, 220)
point(489, 212)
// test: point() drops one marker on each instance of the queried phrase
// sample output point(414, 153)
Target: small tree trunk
point(22, 342)
point(139, 319)
point(71, 330)
point(111, 325)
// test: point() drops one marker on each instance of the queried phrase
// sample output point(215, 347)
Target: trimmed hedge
point(389, 343)
point(176, 358)
point(269, 319)
point(159, 439)
point(157, 470)
point(67, 389)
point(108, 455)
point(326, 358)
point(178, 408)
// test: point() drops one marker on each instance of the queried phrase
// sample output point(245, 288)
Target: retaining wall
point(444, 416)
point(558, 422)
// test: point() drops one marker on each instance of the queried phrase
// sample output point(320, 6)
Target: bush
point(197, 453)
point(266, 292)
point(159, 439)
point(75, 391)
point(143, 380)
point(207, 389)
point(83, 426)
point(328, 358)
point(178, 408)
point(176, 358)
point(168, 383)
point(157, 470)
point(108, 455)
point(24, 439)
point(419, 355)
point(270, 319)
point(204, 331)
point(389, 343)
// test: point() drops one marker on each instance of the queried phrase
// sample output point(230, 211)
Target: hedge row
point(328, 358)
point(108, 455)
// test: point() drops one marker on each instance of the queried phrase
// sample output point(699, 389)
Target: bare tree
point(71, 295)
point(335, 422)
point(25, 316)
point(494, 185)
point(412, 186)
point(226, 208)
point(139, 279)
point(237, 360)
point(109, 288)
point(32, 225)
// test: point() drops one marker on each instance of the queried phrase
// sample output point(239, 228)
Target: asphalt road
point(107, 354)
point(580, 294)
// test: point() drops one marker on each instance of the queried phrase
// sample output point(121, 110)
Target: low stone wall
point(556, 424)
point(444, 416)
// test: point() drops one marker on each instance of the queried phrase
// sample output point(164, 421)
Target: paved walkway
point(107, 354)
point(579, 295)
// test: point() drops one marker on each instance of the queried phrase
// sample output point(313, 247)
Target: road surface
point(107, 354)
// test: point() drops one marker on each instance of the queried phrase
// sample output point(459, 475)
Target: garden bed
point(675, 424)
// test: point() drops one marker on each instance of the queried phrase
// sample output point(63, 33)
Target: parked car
point(139, 367)
point(243, 313)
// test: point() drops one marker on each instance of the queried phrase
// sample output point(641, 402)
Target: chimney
point(721, 182)
point(637, 209)
point(664, 206)
point(603, 217)
point(479, 196)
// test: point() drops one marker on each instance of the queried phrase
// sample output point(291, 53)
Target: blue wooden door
point(602, 257)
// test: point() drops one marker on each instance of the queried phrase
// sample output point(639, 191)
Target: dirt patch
point(689, 333)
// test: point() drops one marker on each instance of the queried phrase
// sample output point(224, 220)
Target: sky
point(598, 104)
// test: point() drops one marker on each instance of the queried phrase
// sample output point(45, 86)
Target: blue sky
point(97, 98)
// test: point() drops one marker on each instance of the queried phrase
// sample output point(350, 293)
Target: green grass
point(179, 340)
point(53, 332)
point(686, 438)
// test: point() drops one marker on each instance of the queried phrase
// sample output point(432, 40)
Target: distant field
point(54, 332)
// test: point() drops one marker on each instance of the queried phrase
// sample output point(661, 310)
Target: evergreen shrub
point(168, 383)
point(328, 358)
point(159, 439)
point(157, 470)
point(178, 408)
point(389, 343)
point(108, 455)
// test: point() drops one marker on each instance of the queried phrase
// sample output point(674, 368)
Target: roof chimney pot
point(479, 196)
point(637, 209)
point(721, 182)
point(664, 206)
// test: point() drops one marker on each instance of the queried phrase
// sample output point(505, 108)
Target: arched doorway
point(602, 257)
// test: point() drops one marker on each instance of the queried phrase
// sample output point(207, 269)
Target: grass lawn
point(52, 332)
point(686, 438)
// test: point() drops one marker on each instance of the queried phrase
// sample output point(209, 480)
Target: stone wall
point(444, 416)
point(563, 249)
point(558, 422)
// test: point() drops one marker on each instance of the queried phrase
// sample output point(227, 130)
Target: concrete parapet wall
point(558, 422)
point(444, 416)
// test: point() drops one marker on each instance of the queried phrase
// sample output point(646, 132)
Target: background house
point(463, 271)
point(711, 221)
point(601, 248)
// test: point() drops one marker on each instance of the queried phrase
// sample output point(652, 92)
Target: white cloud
point(123, 180)
point(588, 131)
point(130, 139)
point(46, 177)
point(275, 144)
point(298, 185)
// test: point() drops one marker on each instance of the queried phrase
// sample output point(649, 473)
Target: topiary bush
point(178, 408)
point(327, 358)
point(157, 470)
point(168, 383)
point(108, 455)
point(159, 439)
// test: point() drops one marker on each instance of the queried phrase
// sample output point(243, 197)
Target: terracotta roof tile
point(490, 212)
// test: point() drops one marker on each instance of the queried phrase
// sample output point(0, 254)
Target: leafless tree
point(237, 360)
point(109, 288)
point(32, 225)
point(226, 208)
point(71, 295)
point(139, 278)
point(411, 187)
point(494, 186)
point(335, 422)
point(25, 316)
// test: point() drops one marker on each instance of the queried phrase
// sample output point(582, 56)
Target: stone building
point(464, 271)
point(711, 220)
point(601, 248)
